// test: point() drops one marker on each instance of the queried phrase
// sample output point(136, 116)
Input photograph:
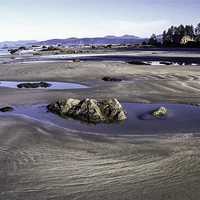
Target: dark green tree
point(197, 33)
point(189, 30)
point(153, 40)
point(168, 37)
point(197, 29)
point(173, 36)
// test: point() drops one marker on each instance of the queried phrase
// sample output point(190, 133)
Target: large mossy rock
point(89, 110)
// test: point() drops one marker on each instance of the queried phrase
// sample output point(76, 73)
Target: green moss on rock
point(161, 112)
point(89, 110)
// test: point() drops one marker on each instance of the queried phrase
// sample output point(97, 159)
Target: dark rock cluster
point(34, 85)
point(112, 79)
point(6, 109)
point(89, 110)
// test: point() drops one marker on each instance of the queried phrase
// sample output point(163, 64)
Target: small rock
point(161, 112)
point(108, 78)
point(34, 85)
point(6, 109)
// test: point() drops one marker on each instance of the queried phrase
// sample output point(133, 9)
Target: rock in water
point(112, 109)
point(89, 110)
point(113, 79)
point(34, 85)
point(62, 107)
point(161, 112)
point(6, 109)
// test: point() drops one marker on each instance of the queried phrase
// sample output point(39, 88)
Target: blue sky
point(45, 19)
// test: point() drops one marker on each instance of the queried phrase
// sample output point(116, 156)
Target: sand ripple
point(37, 163)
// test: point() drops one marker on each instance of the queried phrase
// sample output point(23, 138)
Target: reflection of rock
point(161, 112)
point(89, 110)
point(34, 85)
point(6, 109)
point(108, 78)
point(137, 62)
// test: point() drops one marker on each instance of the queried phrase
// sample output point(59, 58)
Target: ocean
point(4, 52)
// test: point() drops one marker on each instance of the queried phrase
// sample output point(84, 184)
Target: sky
point(47, 19)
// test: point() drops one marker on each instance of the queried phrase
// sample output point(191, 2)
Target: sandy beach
point(42, 161)
point(177, 84)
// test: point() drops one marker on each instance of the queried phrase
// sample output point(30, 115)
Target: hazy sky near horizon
point(46, 19)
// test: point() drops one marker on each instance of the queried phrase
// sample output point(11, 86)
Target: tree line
point(177, 36)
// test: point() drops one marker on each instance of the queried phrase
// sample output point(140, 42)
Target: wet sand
point(173, 84)
point(40, 161)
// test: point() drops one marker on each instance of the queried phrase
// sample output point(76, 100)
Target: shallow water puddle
point(53, 85)
point(163, 63)
point(181, 119)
